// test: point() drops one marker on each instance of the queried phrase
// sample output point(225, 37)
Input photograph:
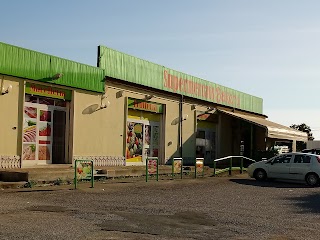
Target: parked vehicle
point(290, 166)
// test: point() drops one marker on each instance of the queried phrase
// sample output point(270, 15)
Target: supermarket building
point(54, 111)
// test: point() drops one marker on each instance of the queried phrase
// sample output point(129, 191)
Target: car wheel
point(312, 179)
point(260, 175)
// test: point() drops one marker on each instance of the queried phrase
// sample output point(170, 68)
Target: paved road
point(210, 208)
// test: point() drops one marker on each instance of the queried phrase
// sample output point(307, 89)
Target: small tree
point(303, 128)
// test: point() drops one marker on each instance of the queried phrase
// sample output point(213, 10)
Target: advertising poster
point(45, 133)
point(199, 166)
point(152, 166)
point(134, 142)
point(29, 133)
point(177, 164)
point(84, 170)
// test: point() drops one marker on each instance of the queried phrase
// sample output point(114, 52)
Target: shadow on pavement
point(270, 183)
point(307, 203)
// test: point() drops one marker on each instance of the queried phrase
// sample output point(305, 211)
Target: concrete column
point(294, 145)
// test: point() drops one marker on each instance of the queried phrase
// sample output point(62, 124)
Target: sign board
point(152, 167)
point(177, 166)
point(199, 167)
point(138, 71)
point(48, 91)
point(140, 104)
point(83, 170)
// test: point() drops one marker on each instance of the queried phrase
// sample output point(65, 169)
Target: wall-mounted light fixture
point(184, 117)
point(57, 76)
point(212, 110)
point(148, 97)
point(104, 105)
point(119, 94)
point(6, 90)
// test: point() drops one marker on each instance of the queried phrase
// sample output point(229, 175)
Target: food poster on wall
point(44, 134)
point(134, 142)
point(29, 133)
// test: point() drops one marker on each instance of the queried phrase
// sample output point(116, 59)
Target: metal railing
point(231, 167)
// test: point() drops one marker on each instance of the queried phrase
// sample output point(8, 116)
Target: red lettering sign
point(186, 86)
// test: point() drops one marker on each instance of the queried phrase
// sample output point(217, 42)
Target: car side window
point(283, 159)
point(306, 159)
point(302, 159)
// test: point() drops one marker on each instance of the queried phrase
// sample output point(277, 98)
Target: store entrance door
point(58, 143)
point(143, 139)
point(206, 145)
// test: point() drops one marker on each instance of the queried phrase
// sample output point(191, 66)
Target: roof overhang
point(274, 130)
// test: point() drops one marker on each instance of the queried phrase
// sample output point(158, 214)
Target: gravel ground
point(208, 208)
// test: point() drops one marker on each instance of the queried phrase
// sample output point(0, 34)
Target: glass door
point(59, 138)
point(206, 145)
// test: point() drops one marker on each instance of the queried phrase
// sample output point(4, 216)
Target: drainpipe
point(180, 123)
point(251, 141)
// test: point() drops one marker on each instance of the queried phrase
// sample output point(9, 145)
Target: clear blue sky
point(267, 48)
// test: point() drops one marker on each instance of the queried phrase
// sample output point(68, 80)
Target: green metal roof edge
point(100, 70)
point(175, 71)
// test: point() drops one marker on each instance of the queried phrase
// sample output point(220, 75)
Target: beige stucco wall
point(11, 110)
point(169, 126)
point(188, 132)
point(97, 133)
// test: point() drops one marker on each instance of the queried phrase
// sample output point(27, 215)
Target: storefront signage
point(128, 68)
point(199, 90)
point(47, 91)
point(144, 105)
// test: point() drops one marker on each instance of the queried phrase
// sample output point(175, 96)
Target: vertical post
point(75, 174)
point(195, 169)
point(214, 167)
point(181, 168)
point(157, 169)
point(251, 141)
point(172, 174)
point(92, 177)
point(230, 167)
point(241, 165)
point(147, 170)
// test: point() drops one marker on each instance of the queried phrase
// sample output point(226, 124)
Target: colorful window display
point(134, 141)
point(142, 140)
point(38, 128)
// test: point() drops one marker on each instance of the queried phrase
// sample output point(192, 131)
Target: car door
point(300, 166)
point(280, 167)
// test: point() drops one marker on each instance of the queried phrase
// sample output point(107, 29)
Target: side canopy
point(274, 130)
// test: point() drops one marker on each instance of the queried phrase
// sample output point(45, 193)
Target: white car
point(290, 166)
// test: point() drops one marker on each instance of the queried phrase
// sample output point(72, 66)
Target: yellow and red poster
point(152, 166)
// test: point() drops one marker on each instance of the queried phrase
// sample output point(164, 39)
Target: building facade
point(54, 111)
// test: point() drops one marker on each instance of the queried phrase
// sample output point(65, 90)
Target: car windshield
point(270, 160)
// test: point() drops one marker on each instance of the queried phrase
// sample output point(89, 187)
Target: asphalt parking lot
point(210, 208)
